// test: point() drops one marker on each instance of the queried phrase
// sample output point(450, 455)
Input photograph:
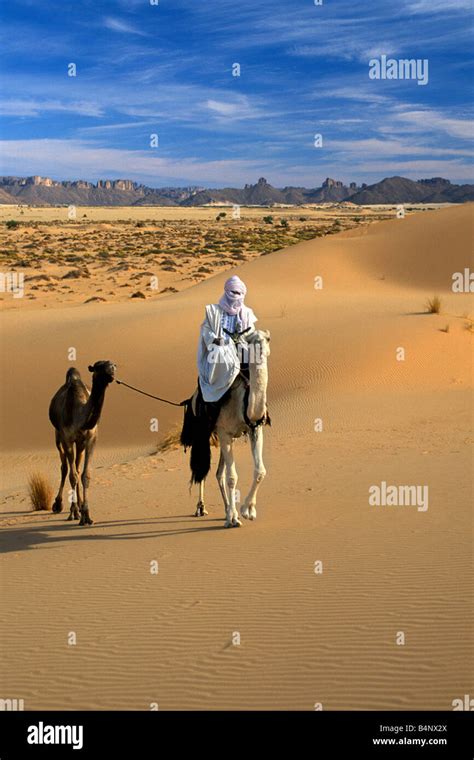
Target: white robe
point(218, 366)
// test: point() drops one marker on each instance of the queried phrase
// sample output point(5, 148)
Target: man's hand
point(218, 341)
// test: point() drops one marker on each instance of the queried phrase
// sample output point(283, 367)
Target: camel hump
point(71, 375)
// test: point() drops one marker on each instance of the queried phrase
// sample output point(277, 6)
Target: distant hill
point(43, 191)
point(331, 191)
point(5, 198)
point(402, 190)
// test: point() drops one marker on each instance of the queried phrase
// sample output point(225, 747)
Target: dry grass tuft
point(170, 441)
point(433, 305)
point(40, 492)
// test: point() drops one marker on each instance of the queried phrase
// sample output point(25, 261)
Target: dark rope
point(157, 398)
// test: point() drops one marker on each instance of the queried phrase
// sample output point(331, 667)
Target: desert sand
point(114, 254)
point(327, 638)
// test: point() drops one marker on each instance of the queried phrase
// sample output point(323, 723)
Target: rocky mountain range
point(43, 191)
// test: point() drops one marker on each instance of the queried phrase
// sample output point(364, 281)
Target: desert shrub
point(40, 492)
point(433, 305)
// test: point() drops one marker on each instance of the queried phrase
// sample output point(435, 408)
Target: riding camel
point(242, 410)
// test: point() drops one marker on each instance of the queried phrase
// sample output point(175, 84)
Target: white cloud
point(223, 109)
point(113, 127)
point(188, 103)
point(117, 25)
point(428, 120)
point(17, 107)
point(356, 93)
point(341, 121)
point(438, 6)
point(72, 159)
point(345, 48)
point(381, 48)
point(235, 110)
point(455, 170)
point(374, 147)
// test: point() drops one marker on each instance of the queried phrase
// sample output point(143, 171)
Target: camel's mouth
point(110, 371)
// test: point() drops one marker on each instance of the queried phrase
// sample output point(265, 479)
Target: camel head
point(260, 340)
point(103, 370)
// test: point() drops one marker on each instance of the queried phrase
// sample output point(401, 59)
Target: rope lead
point(157, 398)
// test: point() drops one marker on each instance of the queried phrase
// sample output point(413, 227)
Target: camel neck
point(257, 403)
point(94, 404)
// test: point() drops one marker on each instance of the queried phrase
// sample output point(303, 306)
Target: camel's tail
point(196, 435)
point(187, 432)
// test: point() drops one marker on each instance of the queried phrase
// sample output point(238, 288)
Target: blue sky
point(167, 69)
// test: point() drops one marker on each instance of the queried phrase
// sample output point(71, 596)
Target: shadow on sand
point(33, 536)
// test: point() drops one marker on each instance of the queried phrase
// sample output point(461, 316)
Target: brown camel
point(74, 412)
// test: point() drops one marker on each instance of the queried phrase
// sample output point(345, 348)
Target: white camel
point(242, 410)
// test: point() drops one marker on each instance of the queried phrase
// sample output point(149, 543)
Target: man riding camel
point(221, 352)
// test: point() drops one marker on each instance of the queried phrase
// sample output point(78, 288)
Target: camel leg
point(256, 441)
point(200, 507)
point(73, 478)
point(231, 479)
point(85, 516)
point(79, 455)
point(220, 475)
point(58, 502)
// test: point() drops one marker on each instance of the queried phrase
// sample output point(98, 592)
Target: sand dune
point(338, 337)
point(306, 638)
